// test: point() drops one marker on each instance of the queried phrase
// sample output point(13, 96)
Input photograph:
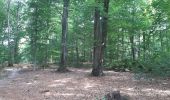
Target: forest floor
point(79, 85)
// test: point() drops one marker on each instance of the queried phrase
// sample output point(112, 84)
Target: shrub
point(155, 65)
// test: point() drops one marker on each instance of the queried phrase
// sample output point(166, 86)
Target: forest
point(84, 49)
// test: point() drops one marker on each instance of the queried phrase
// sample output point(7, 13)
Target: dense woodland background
point(117, 34)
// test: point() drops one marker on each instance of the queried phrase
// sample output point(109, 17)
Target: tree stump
point(115, 95)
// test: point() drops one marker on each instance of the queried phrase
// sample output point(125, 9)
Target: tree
point(10, 51)
point(10, 31)
point(63, 57)
point(17, 35)
point(40, 29)
point(100, 33)
point(3, 48)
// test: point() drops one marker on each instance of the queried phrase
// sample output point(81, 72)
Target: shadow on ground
point(79, 85)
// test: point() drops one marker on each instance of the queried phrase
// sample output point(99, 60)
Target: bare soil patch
point(79, 85)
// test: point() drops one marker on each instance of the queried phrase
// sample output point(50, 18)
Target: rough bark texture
point(45, 63)
point(77, 53)
point(100, 33)
point(10, 57)
point(63, 61)
point(105, 21)
point(97, 61)
point(144, 46)
point(34, 40)
point(16, 60)
point(132, 47)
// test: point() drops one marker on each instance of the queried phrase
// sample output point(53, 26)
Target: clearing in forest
point(79, 85)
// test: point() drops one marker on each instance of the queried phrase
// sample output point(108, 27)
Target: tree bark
point(104, 27)
point(139, 45)
point(77, 53)
point(133, 52)
point(16, 60)
point(10, 57)
point(47, 35)
point(63, 56)
point(34, 38)
point(100, 33)
point(161, 40)
point(144, 46)
point(123, 46)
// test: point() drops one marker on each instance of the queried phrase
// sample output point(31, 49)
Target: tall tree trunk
point(117, 48)
point(45, 64)
point(47, 35)
point(63, 57)
point(149, 41)
point(10, 57)
point(144, 46)
point(123, 46)
point(77, 53)
point(132, 47)
point(16, 60)
point(104, 27)
point(84, 49)
point(97, 61)
point(100, 33)
point(139, 45)
point(161, 40)
point(34, 41)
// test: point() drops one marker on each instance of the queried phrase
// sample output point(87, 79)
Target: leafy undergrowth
point(79, 85)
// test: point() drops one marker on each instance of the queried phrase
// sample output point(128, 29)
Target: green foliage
point(2, 13)
point(156, 65)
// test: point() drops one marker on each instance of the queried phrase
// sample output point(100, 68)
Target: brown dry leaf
point(79, 85)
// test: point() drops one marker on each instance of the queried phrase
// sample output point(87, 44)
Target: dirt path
point(8, 74)
point(78, 85)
